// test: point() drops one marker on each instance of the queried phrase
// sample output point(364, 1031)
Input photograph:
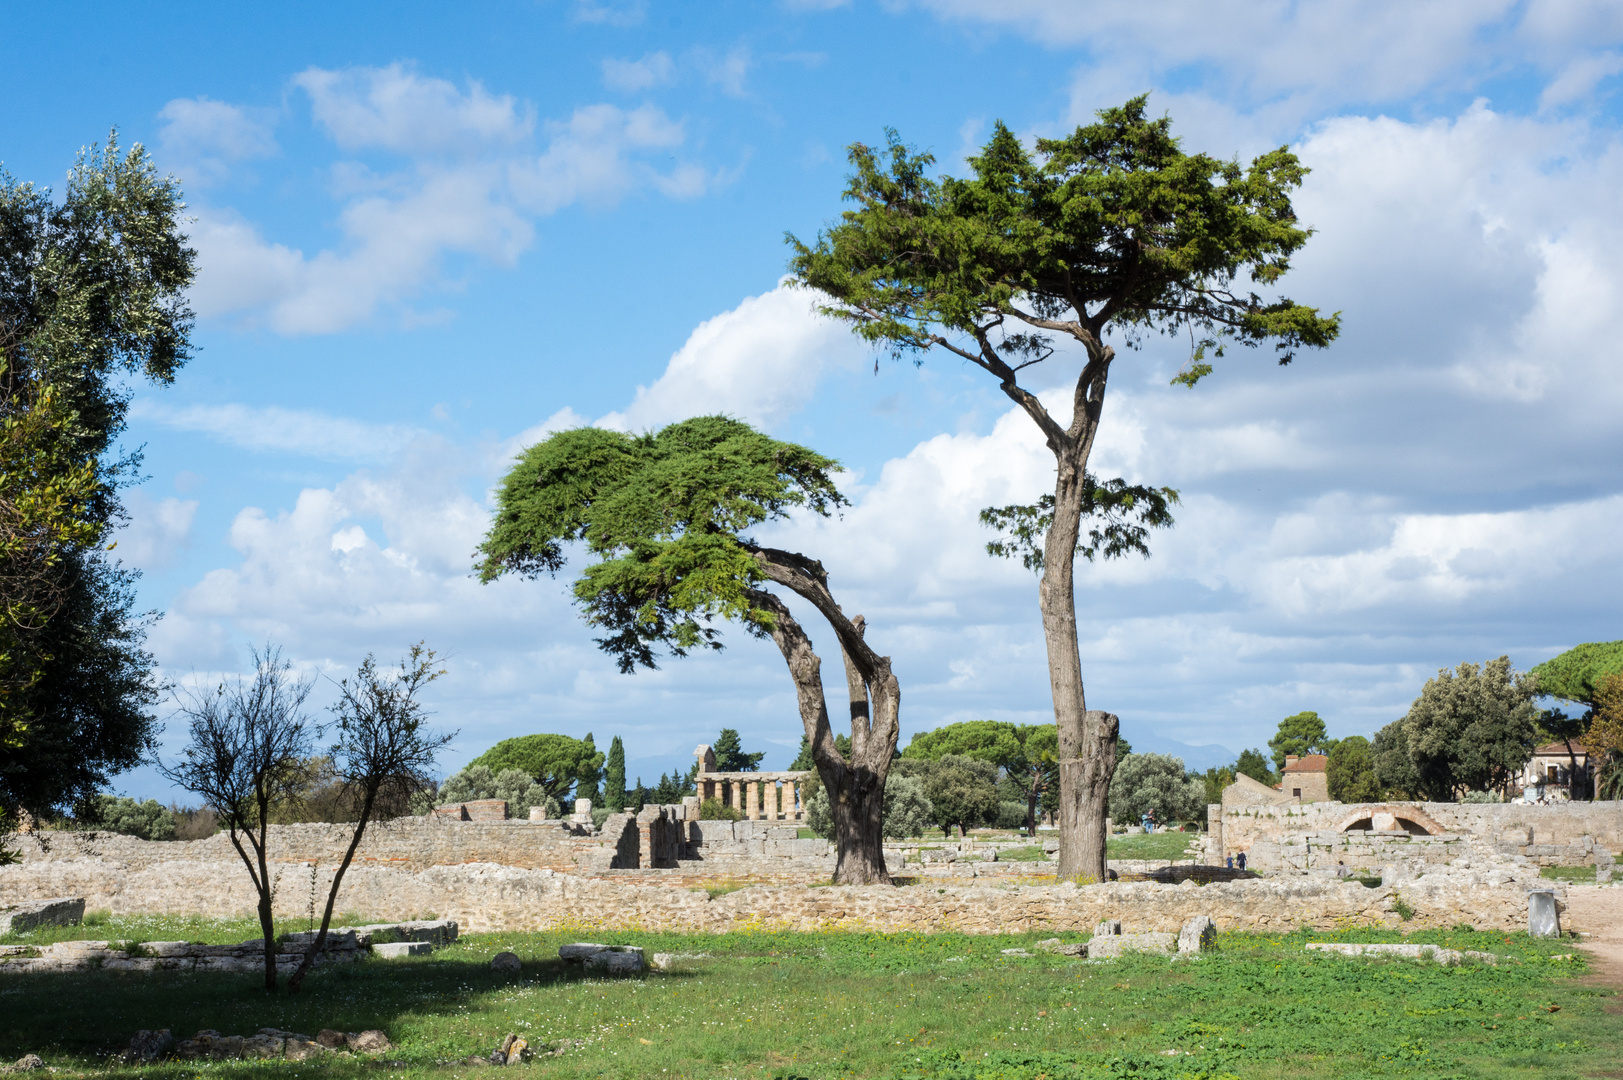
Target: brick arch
point(1404, 812)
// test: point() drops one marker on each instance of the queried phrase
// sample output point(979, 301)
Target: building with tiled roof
point(1306, 779)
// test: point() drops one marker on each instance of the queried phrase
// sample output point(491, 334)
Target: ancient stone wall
point(482, 896)
point(1552, 834)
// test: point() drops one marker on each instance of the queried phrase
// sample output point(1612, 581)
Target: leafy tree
point(1253, 764)
point(1471, 728)
point(908, 810)
point(1214, 780)
point(963, 790)
point(1350, 771)
point(675, 787)
point(730, 755)
point(614, 784)
point(1155, 784)
point(92, 295)
point(713, 809)
point(1576, 674)
point(591, 772)
point(149, 820)
point(664, 518)
point(994, 741)
point(1112, 230)
point(1394, 769)
point(515, 786)
point(1299, 736)
point(1034, 771)
point(382, 747)
point(1605, 736)
point(243, 734)
point(556, 762)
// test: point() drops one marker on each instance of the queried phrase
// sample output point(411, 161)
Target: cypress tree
point(614, 787)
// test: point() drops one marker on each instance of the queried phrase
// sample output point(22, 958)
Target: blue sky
point(429, 235)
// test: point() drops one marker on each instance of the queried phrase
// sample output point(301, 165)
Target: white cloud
point(288, 431)
point(397, 109)
point(1579, 79)
point(474, 184)
point(203, 138)
point(631, 76)
point(728, 72)
point(156, 531)
point(760, 361)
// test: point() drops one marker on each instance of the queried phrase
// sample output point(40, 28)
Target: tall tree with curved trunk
point(1112, 230)
point(664, 517)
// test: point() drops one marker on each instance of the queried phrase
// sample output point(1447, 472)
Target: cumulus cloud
point(156, 531)
point(761, 361)
point(473, 182)
point(202, 138)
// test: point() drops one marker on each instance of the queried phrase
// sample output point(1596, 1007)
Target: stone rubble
point(1449, 957)
point(26, 1063)
point(341, 947)
point(210, 1045)
point(605, 959)
point(506, 961)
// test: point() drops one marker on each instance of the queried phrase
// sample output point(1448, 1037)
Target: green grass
point(1567, 873)
point(1034, 853)
point(1167, 846)
point(941, 1006)
point(100, 926)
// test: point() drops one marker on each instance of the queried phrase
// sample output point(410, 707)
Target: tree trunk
point(856, 789)
point(313, 953)
point(1085, 768)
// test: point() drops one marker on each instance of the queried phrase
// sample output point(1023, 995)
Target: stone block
point(506, 961)
point(394, 950)
point(579, 951)
point(623, 960)
point(1111, 946)
point(150, 1046)
point(167, 948)
point(1063, 948)
point(263, 1046)
point(1198, 935)
point(367, 1042)
point(1542, 918)
point(1108, 928)
point(302, 1048)
point(26, 916)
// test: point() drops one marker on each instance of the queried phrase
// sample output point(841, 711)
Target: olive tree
point(1104, 237)
point(1155, 784)
point(1470, 728)
point(664, 519)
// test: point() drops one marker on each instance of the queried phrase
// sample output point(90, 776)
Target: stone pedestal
point(1542, 918)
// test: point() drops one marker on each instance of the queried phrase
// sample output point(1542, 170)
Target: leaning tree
point(1110, 231)
point(663, 517)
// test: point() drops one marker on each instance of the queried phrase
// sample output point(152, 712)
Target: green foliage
point(1113, 504)
point(1114, 222)
point(1299, 736)
point(962, 790)
point(714, 809)
point(1214, 780)
point(614, 782)
point(149, 820)
point(1474, 727)
point(1350, 772)
point(993, 741)
point(590, 773)
point(1394, 769)
point(556, 762)
point(730, 755)
point(92, 297)
point(662, 517)
point(477, 781)
point(1253, 764)
point(1575, 674)
point(1155, 784)
point(907, 809)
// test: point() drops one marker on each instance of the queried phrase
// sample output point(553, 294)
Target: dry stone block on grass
point(32, 914)
point(395, 950)
point(1111, 946)
point(506, 961)
point(1198, 935)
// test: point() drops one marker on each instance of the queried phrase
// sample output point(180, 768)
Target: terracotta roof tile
point(1311, 763)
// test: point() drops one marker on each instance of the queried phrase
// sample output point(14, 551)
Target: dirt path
point(1597, 910)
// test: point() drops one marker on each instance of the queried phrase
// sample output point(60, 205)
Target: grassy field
point(942, 1006)
point(1169, 846)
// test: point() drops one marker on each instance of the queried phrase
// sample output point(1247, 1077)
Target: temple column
point(752, 802)
point(789, 800)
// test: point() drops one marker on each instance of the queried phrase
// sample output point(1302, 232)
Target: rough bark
point(855, 787)
point(1087, 760)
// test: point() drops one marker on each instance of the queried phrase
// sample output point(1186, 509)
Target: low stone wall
point(1555, 834)
point(483, 896)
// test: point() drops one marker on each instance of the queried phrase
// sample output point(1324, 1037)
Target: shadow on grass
point(89, 1017)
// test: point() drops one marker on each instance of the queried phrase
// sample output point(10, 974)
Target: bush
point(1479, 797)
point(514, 785)
point(1011, 815)
point(1351, 771)
point(819, 817)
point(714, 809)
point(148, 820)
point(1154, 784)
point(908, 811)
point(600, 814)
